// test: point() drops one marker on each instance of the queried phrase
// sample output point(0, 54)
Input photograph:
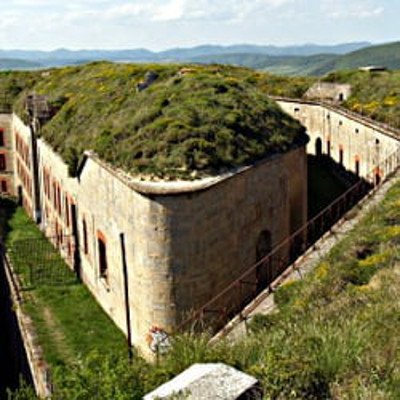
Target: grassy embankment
point(68, 321)
point(334, 335)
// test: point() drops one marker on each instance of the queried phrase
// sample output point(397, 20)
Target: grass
point(376, 95)
point(67, 319)
point(205, 122)
point(334, 335)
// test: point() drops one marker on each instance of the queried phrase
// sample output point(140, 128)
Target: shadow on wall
point(327, 180)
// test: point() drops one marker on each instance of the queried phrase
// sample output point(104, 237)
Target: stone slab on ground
point(209, 381)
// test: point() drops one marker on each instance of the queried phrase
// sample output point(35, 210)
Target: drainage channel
point(13, 360)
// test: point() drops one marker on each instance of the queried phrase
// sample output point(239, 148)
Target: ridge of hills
point(62, 57)
point(305, 60)
point(387, 55)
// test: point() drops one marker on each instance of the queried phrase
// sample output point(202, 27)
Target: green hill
point(283, 65)
point(15, 64)
point(203, 122)
point(387, 55)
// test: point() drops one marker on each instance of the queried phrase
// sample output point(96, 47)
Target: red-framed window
point(4, 186)
point(102, 252)
point(3, 163)
point(2, 142)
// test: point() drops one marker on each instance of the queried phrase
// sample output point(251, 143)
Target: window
point(101, 243)
point(341, 155)
point(67, 211)
point(2, 162)
point(1, 137)
point(328, 147)
point(4, 186)
point(85, 239)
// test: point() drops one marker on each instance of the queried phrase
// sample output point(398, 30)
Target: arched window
point(264, 274)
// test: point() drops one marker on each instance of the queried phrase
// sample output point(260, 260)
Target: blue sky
point(161, 24)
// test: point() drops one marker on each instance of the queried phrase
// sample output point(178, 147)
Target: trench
point(13, 361)
point(14, 365)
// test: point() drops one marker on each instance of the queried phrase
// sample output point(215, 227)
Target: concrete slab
point(209, 381)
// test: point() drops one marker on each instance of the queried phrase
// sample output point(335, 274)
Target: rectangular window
point(67, 211)
point(102, 247)
point(3, 162)
point(85, 238)
point(1, 137)
point(4, 186)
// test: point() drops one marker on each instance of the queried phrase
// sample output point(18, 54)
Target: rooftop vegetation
point(201, 122)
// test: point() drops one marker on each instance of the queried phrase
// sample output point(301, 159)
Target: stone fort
point(179, 242)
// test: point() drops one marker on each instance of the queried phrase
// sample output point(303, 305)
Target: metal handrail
point(356, 189)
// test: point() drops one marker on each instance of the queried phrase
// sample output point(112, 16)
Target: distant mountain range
point(309, 59)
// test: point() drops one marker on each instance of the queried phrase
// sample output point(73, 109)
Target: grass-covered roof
point(200, 122)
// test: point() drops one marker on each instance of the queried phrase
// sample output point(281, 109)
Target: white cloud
point(358, 9)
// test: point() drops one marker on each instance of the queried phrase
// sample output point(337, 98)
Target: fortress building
point(152, 227)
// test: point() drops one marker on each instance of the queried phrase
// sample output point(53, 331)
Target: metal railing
point(360, 117)
point(37, 262)
point(260, 276)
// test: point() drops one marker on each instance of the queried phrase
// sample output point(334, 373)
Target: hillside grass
point(68, 321)
point(376, 95)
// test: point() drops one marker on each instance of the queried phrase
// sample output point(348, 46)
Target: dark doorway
point(341, 97)
point(328, 148)
point(20, 195)
point(341, 156)
point(357, 167)
point(377, 178)
point(318, 147)
point(102, 257)
point(264, 274)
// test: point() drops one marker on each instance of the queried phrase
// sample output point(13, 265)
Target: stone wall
point(358, 144)
point(6, 152)
point(184, 241)
point(22, 164)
